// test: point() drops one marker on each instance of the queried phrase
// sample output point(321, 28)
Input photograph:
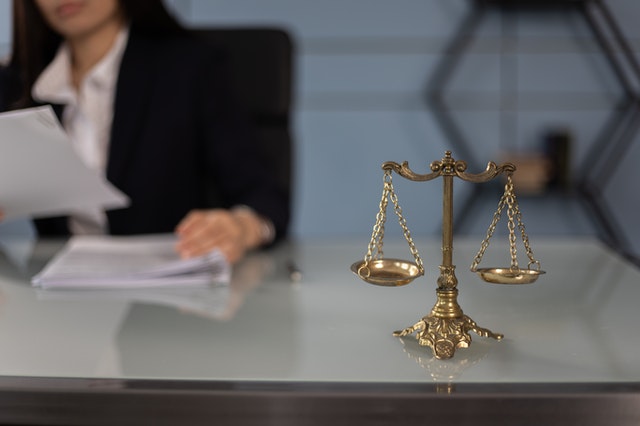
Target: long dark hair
point(34, 43)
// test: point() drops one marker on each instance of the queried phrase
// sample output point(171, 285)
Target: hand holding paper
point(40, 174)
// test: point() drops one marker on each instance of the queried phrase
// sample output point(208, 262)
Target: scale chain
point(374, 250)
point(525, 238)
point(492, 227)
point(405, 229)
point(511, 213)
point(514, 215)
point(375, 245)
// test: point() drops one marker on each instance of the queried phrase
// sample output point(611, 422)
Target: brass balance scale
point(446, 327)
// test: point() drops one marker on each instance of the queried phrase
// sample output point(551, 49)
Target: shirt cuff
point(267, 230)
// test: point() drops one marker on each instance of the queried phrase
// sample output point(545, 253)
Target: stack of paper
point(108, 262)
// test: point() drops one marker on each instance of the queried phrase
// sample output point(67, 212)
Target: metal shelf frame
point(610, 144)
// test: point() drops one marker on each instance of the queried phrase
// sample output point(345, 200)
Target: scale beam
point(449, 167)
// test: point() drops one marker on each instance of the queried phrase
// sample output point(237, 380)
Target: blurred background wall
point(364, 70)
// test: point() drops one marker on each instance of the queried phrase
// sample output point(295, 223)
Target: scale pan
point(387, 272)
point(508, 276)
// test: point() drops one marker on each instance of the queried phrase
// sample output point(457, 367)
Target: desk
point(267, 350)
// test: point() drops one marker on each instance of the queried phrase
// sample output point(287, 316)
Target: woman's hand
point(233, 232)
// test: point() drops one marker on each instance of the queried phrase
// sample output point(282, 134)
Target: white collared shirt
point(87, 115)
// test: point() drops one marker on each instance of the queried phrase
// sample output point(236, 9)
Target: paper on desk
point(40, 174)
point(108, 262)
point(211, 302)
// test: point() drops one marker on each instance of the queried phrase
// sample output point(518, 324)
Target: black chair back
point(261, 65)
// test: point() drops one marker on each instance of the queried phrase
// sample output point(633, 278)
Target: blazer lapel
point(131, 104)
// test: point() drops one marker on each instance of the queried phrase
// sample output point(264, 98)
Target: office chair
point(261, 68)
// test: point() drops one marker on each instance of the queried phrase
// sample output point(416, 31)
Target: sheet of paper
point(40, 174)
point(107, 262)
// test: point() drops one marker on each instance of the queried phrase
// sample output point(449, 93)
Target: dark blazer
point(178, 141)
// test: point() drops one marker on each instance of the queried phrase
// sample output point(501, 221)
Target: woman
point(148, 106)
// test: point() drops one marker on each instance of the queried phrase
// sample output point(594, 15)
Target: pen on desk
point(295, 274)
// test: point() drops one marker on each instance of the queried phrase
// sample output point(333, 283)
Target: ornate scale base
point(446, 328)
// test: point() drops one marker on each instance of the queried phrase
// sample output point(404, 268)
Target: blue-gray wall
point(362, 67)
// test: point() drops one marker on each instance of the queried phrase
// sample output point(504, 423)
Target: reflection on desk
point(330, 334)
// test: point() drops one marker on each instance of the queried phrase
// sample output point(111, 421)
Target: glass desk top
point(576, 324)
